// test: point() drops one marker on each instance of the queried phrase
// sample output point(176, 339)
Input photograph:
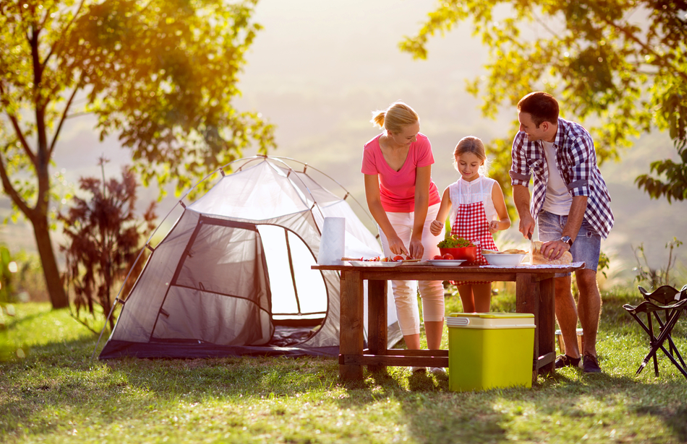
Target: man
point(571, 204)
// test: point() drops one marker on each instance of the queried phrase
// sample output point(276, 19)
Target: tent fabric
point(233, 275)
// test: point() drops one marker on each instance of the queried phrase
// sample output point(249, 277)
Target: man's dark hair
point(541, 106)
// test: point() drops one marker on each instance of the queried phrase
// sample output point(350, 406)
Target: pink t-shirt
point(397, 188)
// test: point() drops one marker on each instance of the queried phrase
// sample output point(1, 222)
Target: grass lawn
point(51, 391)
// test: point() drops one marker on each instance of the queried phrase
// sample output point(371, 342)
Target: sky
point(319, 69)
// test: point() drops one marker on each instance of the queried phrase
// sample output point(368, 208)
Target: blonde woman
point(403, 200)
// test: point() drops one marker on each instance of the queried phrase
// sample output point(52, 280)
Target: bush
point(105, 238)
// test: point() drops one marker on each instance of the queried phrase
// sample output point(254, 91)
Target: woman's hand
point(396, 245)
point(436, 227)
point(416, 249)
point(493, 226)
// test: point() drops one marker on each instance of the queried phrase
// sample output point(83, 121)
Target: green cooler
point(489, 350)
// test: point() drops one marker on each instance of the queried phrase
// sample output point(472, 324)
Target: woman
point(404, 201)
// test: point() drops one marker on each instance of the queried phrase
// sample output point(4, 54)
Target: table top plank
point(425, 271)
point(421, 266)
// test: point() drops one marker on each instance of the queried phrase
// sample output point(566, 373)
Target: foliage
point(674, 186)
point(453, 241)
point(604, 263)
point(654, 277)
point(8, 267)
point(159, 74)
point(620, 65)
point(104, 240)
point(20, 276)
point(30, 284)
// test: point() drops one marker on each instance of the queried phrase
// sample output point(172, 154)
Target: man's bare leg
point(566, 314)
point(588, 308)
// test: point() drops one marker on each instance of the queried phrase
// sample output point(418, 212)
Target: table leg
point(351, 324)
point(547, 324)
point(376, 320)
point(527, 301)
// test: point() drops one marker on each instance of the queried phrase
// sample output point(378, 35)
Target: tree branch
point(18, 131)
point(45, 18)
point(83, 113)
point(59, 41)
point(20, 135)
point(11, 192)
point(662, 61)
point(543, 24)
point(63, 118)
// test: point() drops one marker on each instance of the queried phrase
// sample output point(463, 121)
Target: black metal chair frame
point(672, 303)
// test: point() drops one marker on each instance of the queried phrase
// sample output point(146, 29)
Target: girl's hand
point(436, 227)
point(493, 226)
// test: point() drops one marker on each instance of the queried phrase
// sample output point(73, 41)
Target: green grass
point(57, 394)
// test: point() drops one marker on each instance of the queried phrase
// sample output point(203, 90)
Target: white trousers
point(405, 292)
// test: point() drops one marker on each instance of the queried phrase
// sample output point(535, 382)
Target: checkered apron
point(471, 223)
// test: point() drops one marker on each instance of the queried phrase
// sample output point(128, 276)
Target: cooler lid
point(490, 320)
point(494, 315)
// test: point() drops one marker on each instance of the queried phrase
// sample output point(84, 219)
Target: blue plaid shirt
point(576, 161)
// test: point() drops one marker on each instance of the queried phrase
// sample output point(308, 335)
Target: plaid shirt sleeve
point(577, 160)
point(520, 170)
point(581, 161)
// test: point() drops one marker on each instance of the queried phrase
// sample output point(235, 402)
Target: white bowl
point(507, 260)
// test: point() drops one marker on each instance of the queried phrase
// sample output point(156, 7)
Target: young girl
point(477, 210)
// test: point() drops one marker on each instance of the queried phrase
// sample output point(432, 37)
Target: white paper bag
point(332, 244)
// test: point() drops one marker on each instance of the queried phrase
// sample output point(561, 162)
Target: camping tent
point(233, 275)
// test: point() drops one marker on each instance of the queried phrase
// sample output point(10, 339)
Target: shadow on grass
point(60, 376)
point(675, 419)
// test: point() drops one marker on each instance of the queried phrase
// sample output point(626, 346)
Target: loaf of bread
point(539, 259)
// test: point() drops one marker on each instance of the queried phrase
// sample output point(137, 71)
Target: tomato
point(398, 258)
point(438, 257)
point(447, 256)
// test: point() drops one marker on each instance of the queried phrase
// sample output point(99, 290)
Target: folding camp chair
point(665, 305)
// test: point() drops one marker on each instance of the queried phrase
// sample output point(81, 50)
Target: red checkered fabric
point(471, 223)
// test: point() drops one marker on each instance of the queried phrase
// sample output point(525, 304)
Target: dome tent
point(232, 276)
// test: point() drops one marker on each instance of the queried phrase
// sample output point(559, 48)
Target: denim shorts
point(586, 247)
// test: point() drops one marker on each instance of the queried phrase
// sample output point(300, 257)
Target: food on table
point(509, 251)
point(539, 259)
point(447, 257)
point(453, 241)
point(514, 251)
point(397, 258)
point(362, 259)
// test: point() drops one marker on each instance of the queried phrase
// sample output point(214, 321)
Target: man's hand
point(526, 225)
point(436, 227)
point(554, 250)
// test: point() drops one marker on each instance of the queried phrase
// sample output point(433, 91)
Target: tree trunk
point(58, 296)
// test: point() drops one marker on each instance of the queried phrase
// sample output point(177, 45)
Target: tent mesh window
point(220, 292)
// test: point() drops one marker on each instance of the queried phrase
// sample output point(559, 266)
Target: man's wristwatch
point(567, 240)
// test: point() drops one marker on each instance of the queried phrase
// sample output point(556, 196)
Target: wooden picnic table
point(534, 293)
